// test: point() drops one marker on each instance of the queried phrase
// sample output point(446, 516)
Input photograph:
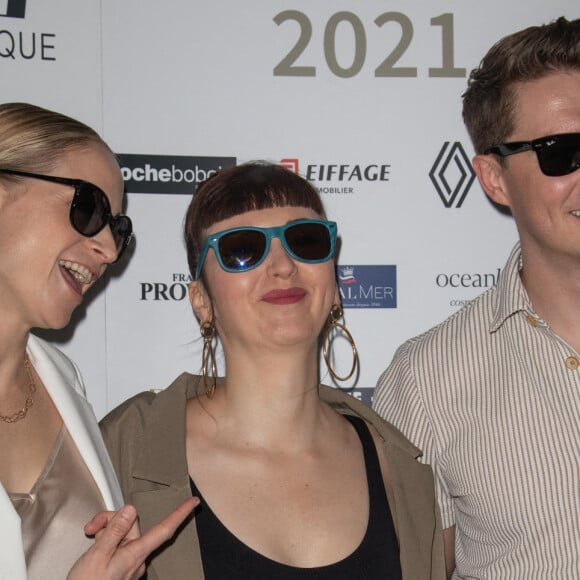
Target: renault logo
point(452, 174)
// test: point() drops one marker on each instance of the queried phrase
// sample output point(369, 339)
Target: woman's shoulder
point(152, 405)
point(52, 364)
point(147, 432)
point(344, 403)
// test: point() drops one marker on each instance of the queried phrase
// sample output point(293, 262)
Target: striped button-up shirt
point(492, 397)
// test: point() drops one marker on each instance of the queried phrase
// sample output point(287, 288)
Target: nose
point(279, 262)
point(104, 245)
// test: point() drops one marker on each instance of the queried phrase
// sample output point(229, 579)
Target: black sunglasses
point(241, 249)
point(90, 210)
point(557, 154)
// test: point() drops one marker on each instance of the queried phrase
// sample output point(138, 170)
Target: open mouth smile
point(79, 272)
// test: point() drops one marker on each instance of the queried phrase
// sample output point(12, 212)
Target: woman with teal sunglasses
point(296, 480)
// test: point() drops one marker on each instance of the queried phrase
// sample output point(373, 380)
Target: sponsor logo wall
point(361, 98)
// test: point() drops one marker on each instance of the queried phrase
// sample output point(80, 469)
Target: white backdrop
point(364, 97)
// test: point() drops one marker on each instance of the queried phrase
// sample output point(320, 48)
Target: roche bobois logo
point(13, 8)
point(169, 173)
point(452, 174)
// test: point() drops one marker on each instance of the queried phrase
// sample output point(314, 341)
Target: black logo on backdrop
point(14, 9)
point(169, 173)
point(452, 174)
point(24, 44)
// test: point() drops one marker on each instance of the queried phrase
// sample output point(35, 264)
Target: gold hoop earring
point(333, 323)
point(207, 330)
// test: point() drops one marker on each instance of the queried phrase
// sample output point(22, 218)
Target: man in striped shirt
point(492, 394)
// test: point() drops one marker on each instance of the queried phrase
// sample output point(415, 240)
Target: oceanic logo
point(13, 8)
point(452, 174)
point(463, 280)
point(169, 173)
point(467, 280)
point(368, 286)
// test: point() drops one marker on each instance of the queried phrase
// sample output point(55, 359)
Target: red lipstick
point(285, 296)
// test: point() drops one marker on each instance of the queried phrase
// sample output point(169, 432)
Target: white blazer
point(64, 384)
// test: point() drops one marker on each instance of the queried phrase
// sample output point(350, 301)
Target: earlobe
point(200, 301)
point(489, 172)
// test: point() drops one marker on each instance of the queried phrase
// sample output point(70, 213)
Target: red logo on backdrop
point(291, 164)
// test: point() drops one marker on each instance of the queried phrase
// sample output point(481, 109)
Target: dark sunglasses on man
point(557, 154)
point(90, 210)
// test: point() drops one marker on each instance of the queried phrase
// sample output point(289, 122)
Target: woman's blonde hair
point(34, 139)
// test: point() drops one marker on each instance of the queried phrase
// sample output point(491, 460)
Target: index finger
point(162, 531)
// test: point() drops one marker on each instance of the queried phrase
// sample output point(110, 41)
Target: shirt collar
point(510, 296)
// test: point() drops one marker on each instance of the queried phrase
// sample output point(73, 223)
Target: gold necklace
point(19, 415)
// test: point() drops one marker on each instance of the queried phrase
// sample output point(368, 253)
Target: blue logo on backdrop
point(368, 286)
point(14, 9)
point(364, 394)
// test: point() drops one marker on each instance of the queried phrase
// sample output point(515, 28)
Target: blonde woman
point(61, 226)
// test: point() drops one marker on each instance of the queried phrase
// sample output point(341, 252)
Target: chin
point(56, 321)
point(294, 338)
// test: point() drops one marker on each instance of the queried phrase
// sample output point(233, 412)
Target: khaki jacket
point(146, 440)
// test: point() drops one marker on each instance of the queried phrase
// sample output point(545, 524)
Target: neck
point(13, 338)
point(553, 286)
point(271, 400)
point(17, 386)
point(12, 349)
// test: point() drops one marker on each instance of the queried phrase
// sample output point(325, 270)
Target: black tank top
point(225, 557)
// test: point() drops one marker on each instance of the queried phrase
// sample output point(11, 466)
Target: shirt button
point(532, 320)
point(572, 363)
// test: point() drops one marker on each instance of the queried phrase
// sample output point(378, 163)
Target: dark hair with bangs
point(490, 102)
point(247, 187)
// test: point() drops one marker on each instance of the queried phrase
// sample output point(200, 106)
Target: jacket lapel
point(12, 564)
point(160, 470)
point(64, 385)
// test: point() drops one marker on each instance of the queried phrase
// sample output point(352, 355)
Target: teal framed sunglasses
point(244, 248)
